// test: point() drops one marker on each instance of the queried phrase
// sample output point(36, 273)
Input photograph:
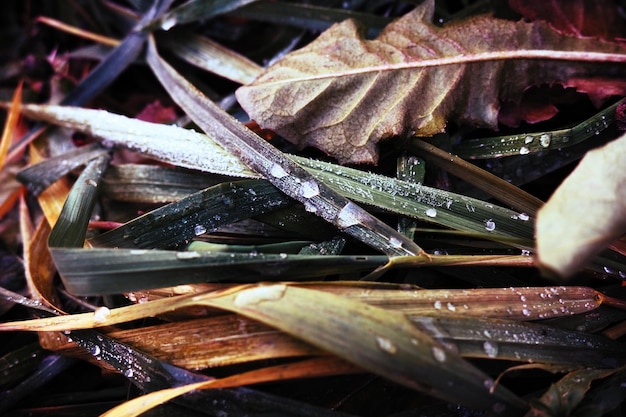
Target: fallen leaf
point(586, 213)
point(343, 94)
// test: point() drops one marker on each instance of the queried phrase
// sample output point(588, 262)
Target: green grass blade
point(112, 271)
point(177, 223)
point(71, 228)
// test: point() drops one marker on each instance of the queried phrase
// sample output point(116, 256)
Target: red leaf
point(583, 18)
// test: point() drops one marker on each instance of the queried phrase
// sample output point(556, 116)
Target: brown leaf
point(586, 213)
point(343, 94)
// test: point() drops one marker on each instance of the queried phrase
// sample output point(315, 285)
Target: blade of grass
point(309, 16)
point(69, 230)
point(10, 125)
point(523, 144)
point(211, 56)
point(495, 186)
point(177, 223)
point(40, 176)
point(282, 172)
point(112, 271)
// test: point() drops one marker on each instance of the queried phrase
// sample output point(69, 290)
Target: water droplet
point(283, 255)
point(169, 23)
point(138, 251)
point(525, 252)
point(349, 216)
point(309, 189)
point(522, 298)
point(487, 334)
point(101, 314)
point(431, 212)
point(524, 150)
point(488, 383)
point(491, 349)
point(259, 294)
point(490, 225)
point(199, 230)
point(523, 217)
point(545, 140)
point(386, 345)
point(128, 373)
point(439, 354)
point(183, 256)
point(526, 312)
point(91, 182)
point(451, 307)
point(394, 242)
point(95, 350)
point(437, 305)
point(277, 171)
point(529, 139)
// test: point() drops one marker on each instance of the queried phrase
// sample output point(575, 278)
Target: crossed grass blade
point(201, 152)
point(381, 341)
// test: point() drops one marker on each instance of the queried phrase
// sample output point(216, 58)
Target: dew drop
point(431, 212)
point(257, 295)
point(199, 230)
point(526, 312)
point(277, 171)
point(349, 216)
point(183, 256)
point(169, 23)
point(522, 298)
point(437, 305)
point(91, 182)
point(309, 189)
point(394, 242)
point(101, 314)
point(386, 345)
point(524, 150)
point(523, 217)
point(128, 373)
point(95, 350)
point(545, 140)
point(529, 139)
point(451, 307)
point(439, 354)
point(490, 225)
point(491, 349)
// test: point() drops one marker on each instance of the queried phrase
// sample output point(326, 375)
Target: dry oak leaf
point(343, 94)
point(586, 213)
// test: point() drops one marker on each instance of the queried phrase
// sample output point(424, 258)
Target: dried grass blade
point(10, 125)
point(213, 57)
point(281, 171)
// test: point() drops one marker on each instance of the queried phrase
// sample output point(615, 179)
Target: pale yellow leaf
point(586, 213)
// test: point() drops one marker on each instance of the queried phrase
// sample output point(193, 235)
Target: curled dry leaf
point(343, 94)
point(586, 213)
